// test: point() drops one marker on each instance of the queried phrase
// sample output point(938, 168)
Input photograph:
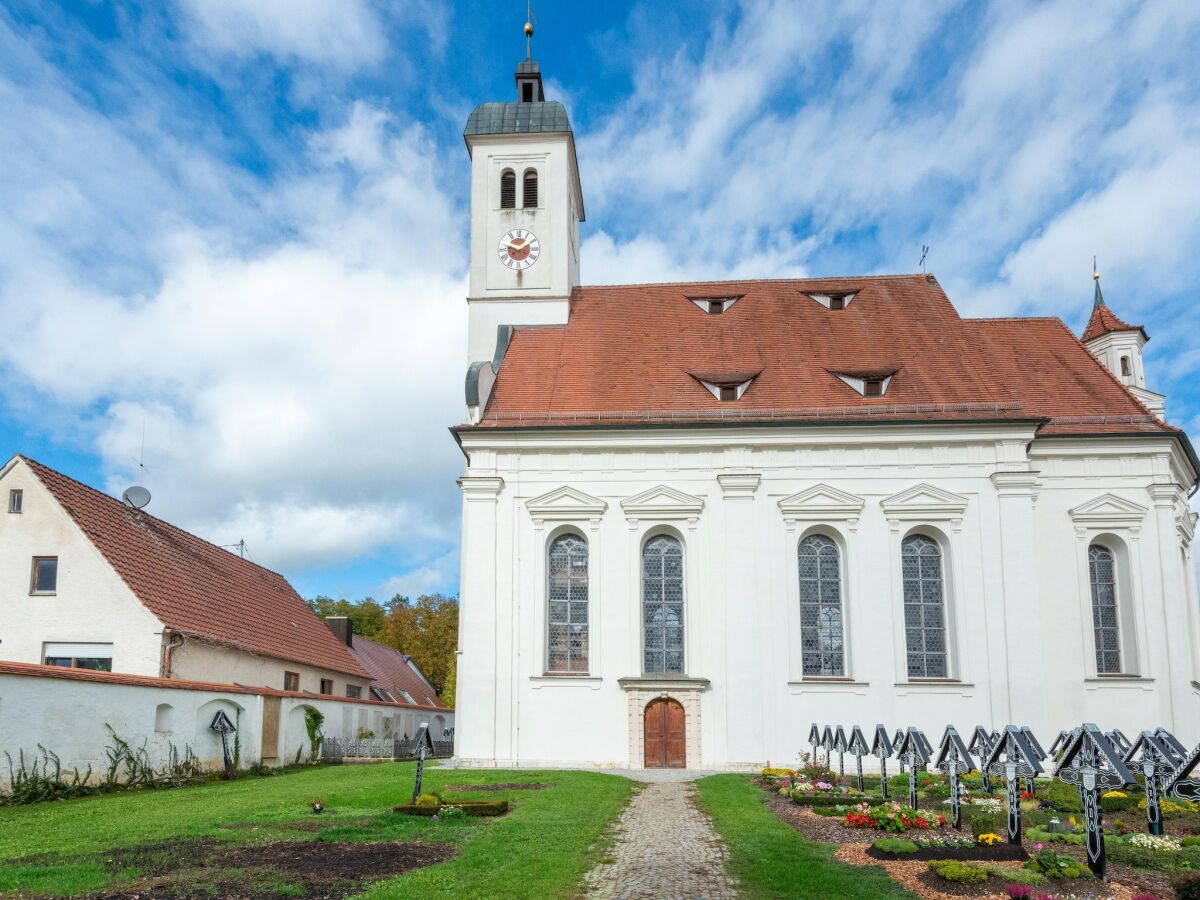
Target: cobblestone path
point(665, 849)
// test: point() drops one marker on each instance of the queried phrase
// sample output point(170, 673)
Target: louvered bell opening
point(529, 194)
point(508, 190)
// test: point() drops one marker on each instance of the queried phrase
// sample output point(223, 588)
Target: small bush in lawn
point(1187, 886)
point(452, 813)
point(427, 800)
point(895, 845)
point(958, 872)
point(986, 823)
point(1054, 865)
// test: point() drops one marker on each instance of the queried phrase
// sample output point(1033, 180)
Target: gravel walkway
point(666, 848)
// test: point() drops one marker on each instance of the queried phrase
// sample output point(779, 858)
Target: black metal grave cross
point(954, 759)
point(881, 747)
point(424, 742)
point(912, 752)
point(981, 745)
point(858, 746)
point(1157, 762)
point(840, 744)
point(1013, 758)
point(224, 727)
point(814, 738)
point(1091, 762)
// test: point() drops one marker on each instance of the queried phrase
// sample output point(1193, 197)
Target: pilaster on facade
point(481, 487)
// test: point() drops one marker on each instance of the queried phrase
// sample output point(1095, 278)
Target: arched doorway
point(665, 747)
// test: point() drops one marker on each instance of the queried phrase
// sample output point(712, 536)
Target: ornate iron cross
point(1012, 757)
point(881, 747)
point(858, 746)
point(982, 742)
point(1092, 763)
point(840, 744)
point(954, 759)
point(912, 752)
point(1157, 762)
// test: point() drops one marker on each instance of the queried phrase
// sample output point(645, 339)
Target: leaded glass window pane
point(1102, 573)
point(567, 634)
point(924, 607)
point(821, 607)
point(662, 605)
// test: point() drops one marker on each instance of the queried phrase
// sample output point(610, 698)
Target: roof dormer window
point(714, 306)
point(834, 300)
point(869, 383)
point(728, 387)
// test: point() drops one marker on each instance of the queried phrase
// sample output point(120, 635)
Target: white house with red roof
point(699, 517)
point(87, 581)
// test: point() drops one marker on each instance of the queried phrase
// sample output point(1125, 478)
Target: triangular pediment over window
point(1109, 509)
point(566, 503)
point(924, 501)
point(822, 501)
point(662, 502)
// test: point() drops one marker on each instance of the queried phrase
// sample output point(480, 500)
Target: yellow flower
point(990, 839)
point(1119, 794)
point(1071, 821)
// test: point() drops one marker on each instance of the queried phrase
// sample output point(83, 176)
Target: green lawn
point(772, 859)
point(541, 849)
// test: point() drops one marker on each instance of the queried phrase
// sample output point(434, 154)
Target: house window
point(872, 387)
point(45, 575)
point(354, 692)
point(567, 635)
point(1102, 573)
point(291, 681)
point(821, 607)
point(716, 307)
point(529, 197)
point(1126, 369)
point(15, 498)
point(837, 302)
point(96, 657)
point(662, 605)
point(924, 607)
point(728, 391)
point(508, 189)
point(326, 685)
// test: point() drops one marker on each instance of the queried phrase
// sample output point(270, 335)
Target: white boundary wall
point(67, 713)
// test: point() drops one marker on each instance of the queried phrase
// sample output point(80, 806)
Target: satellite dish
point(136, 496)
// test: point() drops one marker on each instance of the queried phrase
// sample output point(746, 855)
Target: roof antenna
point(240, 546)
point(924, 253)
point(529, 20)
point(136, 495)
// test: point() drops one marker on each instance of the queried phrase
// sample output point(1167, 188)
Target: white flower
point(1161, 844)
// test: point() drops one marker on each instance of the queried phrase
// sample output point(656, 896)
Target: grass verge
point(772, 859)
point(541, 849)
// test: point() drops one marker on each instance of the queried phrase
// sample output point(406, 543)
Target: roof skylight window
point(834, 300)
point(714, 306)
point(870, 383)
point(727, 387)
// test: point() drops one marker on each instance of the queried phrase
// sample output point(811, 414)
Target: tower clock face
point(519, 249)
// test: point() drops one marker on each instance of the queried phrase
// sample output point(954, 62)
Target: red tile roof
point(1104, 321)
point(197, 588)
point(390, 671)
point(625, 355)
point(36, 670)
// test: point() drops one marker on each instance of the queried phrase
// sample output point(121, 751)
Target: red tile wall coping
point(36, 670)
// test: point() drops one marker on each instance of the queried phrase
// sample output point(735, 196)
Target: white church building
point(699, 517)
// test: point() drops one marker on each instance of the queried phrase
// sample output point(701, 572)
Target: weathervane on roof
point(529, 20)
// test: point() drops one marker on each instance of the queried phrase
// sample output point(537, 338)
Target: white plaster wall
point(92, 603)
point(198, 660)
point(1018, 595)
point(68, 716)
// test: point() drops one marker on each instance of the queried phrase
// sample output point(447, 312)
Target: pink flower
point(1040, 846)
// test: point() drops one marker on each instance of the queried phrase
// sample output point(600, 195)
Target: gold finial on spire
point(529, 20)
point(1095, 274)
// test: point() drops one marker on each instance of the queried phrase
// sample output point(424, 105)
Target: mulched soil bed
point(510, 786)
point(190, 870)
point(979, 853)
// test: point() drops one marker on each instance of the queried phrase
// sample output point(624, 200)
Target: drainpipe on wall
point(170, 642)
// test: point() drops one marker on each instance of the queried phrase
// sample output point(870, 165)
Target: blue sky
point(240, 228)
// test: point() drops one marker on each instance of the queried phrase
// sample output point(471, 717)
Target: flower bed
point(962, 849)
point(477, 808)
point(892, 817)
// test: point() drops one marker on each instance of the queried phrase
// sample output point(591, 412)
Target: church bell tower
point(526, 206)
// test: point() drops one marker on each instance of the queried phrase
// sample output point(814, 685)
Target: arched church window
point(821, 607)
point(508, 189)
point(567, 635)
point(924, 607)
point(529, 197)
point(662, 605)
point(1126, 369)
point(1102, 573)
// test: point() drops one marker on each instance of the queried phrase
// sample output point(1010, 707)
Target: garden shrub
point(895, 845)
point(427, 800)
point(774, 773)
point(1187, 886)
point(1017, 876)
point(1065, 797)
point(1046, 837)
point(451, 813)
point(985, 823)
point(1054, 865)
point(958, 872)
point(1117, 801)
point(313, 720)
point(1191, 840)
point(42, 779)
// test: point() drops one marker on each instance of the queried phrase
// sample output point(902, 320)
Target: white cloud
point(426, 579)
point(344, 33)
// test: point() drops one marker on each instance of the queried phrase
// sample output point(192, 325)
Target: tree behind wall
point(425, 629)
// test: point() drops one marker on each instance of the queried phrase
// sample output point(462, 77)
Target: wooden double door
point(665, 746)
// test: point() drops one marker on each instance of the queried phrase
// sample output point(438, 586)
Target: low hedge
point(958, 872)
